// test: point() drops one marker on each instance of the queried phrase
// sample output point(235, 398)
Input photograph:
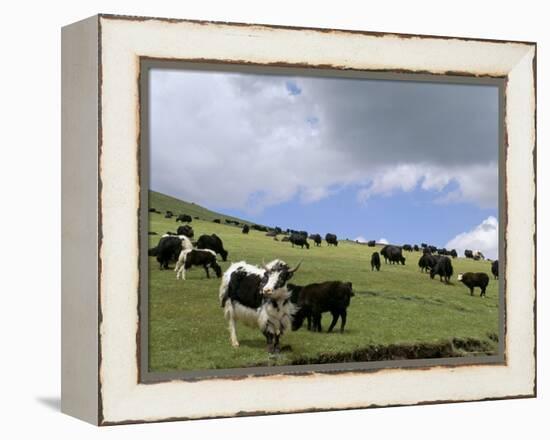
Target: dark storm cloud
point(390, 122)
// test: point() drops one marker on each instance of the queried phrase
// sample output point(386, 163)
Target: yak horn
point(296, 268)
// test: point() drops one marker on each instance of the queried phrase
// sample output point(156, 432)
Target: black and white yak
point(169, 249)
point(258, 297)
point(477, 255)
point(197, 257)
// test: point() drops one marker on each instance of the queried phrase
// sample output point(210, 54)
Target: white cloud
point(404, 177)
point(360, 239)
point(483, 237)
point(475, 183)
point(382, 241)
point(245, 142)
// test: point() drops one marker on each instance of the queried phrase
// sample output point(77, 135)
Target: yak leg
point(343, 315)
point(483, 291)
point(206, 269)
point(276, 346)
point(270, 344)
point(180, 270)
point(179, 264)
point(334, 320)
point(471, 291)
point(308, 317)
point(231, 321)
point(317, 322)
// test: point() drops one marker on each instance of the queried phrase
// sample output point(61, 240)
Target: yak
point(259, 297)
point(443, 268)
point(494, 269)
point(477, 279)
point(331, 239)
point(375, 261)
point(315, 299)
point(299, 240)
point(214, 243)
point(393, 254)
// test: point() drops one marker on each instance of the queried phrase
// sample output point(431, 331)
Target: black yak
point(427, 261)
point(299, 240)
point(443, 268)
point(331, 239)
point(393, 254)
point(186, 230)
point(214, 243)
point(314, 299)
point(316, 239)
point(494, 269)
point(471, 280)
point(375, 261)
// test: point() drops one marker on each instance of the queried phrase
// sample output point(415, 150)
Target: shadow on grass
point(252, 343)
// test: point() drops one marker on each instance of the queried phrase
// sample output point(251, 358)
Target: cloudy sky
point(408, 162)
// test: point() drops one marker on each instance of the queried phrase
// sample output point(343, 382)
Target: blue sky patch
point(293, 88)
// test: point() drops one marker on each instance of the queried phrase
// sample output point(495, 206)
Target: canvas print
point(310, 220)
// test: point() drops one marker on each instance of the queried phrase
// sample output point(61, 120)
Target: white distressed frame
point(122, 41)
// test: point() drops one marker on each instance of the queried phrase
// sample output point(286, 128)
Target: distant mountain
point(162, 202)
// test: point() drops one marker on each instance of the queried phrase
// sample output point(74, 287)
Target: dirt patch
point(446, 349)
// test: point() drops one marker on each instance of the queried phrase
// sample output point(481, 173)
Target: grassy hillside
point(398, 312)
point(162, 202)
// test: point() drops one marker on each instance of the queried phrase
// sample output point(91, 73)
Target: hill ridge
point(163, 202)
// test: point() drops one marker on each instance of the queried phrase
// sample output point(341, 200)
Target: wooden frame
point(101, 381)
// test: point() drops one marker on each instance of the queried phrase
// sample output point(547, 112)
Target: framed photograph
point(263, 219)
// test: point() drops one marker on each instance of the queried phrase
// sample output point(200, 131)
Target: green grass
point(397, 306)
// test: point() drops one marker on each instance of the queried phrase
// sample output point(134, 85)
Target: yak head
point(217, 269)
point(276, 274)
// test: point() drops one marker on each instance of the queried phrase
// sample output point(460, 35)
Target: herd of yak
point(261, 296)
